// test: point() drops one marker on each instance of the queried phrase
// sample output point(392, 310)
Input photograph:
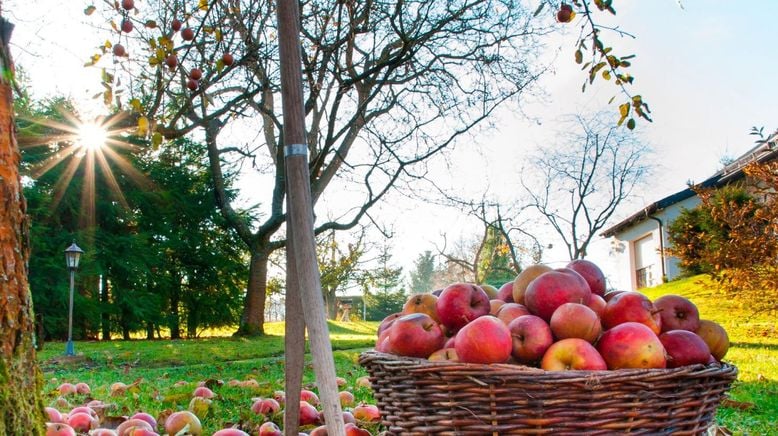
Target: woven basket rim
point(423, 365)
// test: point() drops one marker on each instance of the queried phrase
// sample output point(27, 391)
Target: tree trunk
point(21, 401)
point(105, 317)
point(253, 318)
point(175, 317)
point(149, 330)
point(330, 302)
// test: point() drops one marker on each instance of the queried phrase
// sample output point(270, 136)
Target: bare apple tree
point(584, 176)
point(387, 87)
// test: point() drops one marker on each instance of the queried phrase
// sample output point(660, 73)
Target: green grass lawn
point(753, 349)
point(160, 364)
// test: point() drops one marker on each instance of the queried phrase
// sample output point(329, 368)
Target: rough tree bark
point(21, 402)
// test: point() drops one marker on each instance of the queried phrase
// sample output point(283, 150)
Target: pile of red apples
point(555, 319)
point(91, 418)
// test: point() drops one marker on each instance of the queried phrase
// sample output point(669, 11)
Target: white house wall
point(623, 252)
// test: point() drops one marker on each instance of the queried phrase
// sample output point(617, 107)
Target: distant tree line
point(158, 256)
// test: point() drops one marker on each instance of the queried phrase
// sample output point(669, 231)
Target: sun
point(91, 136)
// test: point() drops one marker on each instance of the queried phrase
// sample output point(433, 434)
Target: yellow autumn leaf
point(156, 140)
point(89, 10)
point(143, 126)
point(203, 5)
point(135, 104)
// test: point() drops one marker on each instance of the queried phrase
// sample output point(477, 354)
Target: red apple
point(422, 303)
point(572, 354)
point(128, 5)
point(573, 320)
point(524, 278)
point(105, 432)
point(684, 348)
point(309, 396)
point(631, 345)
point(59, 429)
point(133, 423)
point(387, 322)
point(677, 313)
point(367, 412)
point(382, 343)
point(348, 417)
point(269, 429)
point(461, 303)
point(203, 392)
point(531, 338)
point(449, 354)
point(118, 50)
point(146, 417)
point(195, 74)
point(187, 34)
point(591, 273)
point(230, 432)
point(564, 16)
point(346, 399)
point(631, 307)
point(53, 415)
point(192, 84)
point(84, 409)
point(353, 430)
point(715, 337)
point(308, 414)
point(227, 59)
point(319, 431)
point(553, 289)
point(175, 24)
point(126, 26)
point(484, 340)
point(505, 293)
point(415, 335)
point(363, 382)
point(178, 420)
point(597, 304)
point(510, 311)
point(490, 290)
point(265, 406)
point(171, 61)
point(82, 422)
point(494, 306)
point(67, 389)
point(609, 295)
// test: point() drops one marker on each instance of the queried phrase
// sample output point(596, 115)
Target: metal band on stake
point(295, 150)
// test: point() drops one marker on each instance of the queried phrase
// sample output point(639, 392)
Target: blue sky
point(707, 70)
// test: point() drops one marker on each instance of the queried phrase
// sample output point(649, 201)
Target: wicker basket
point(417, 396)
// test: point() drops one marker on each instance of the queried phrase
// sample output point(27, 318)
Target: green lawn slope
point(754, 350)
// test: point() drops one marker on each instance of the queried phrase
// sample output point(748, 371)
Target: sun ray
point(138, 177)
point(64, 180)
point(88, 217)
point(112, 183)
point(77, 142)
point(53, 161)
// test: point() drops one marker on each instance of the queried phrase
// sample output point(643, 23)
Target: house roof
point(764, 151)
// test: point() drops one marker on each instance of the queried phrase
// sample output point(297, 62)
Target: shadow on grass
point(352, 328)
point(755, 345)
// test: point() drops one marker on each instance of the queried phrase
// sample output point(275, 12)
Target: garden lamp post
point(72, 256)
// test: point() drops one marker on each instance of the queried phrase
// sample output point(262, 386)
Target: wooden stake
point(300, 215)
point(294, 344)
